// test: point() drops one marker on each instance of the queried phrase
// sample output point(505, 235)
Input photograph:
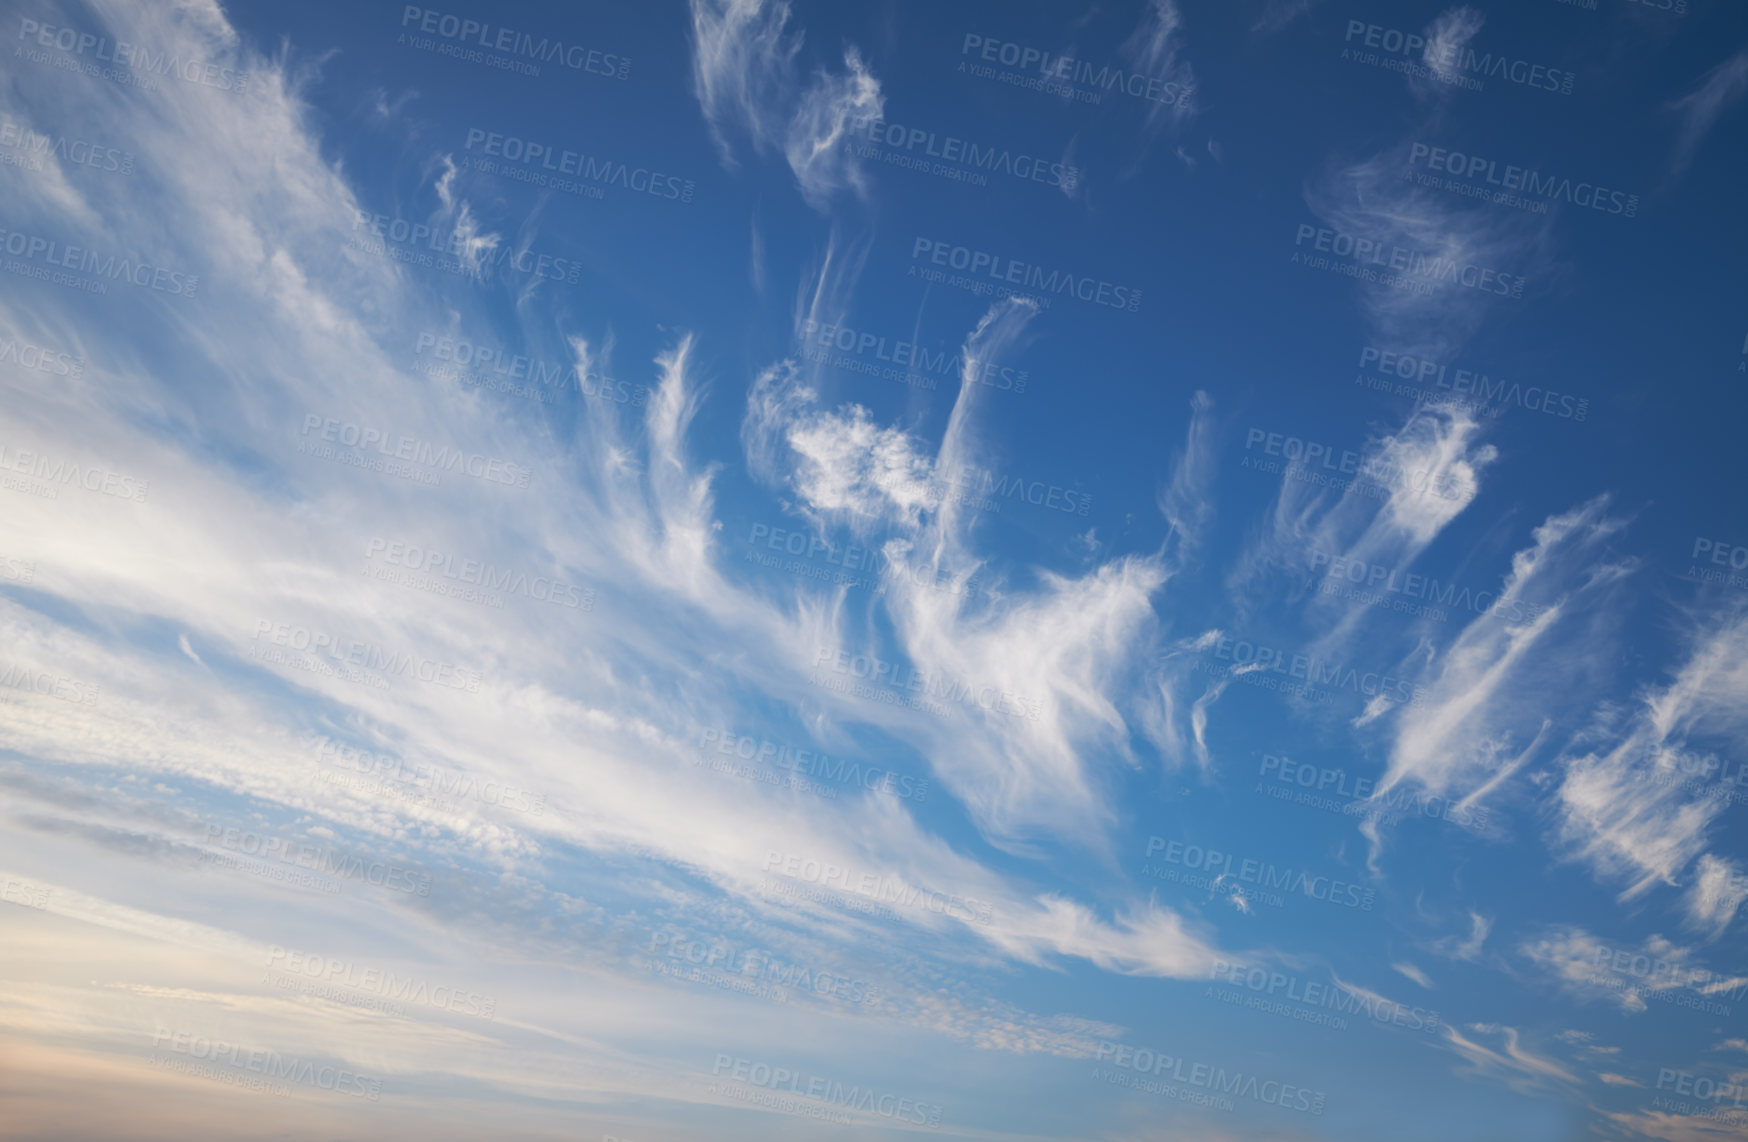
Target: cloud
point(1278, 15)
point(1447, 37)
point(1584, 965)
point(1615, 812)
point(1155, 49)
point(598, 709)
point(816, 142)
point(1051, 660)
point(1669, 1127)
point(1468, 948)
point(1719, 887)
point(1470, 730)
point(1186, 501)
point(1701, 108)
point(847, 464)
point(744, 78)
point(1413, 973)
point(1521, 1069)
point(1409, 485)
point(742, 63)
point(1422, 308)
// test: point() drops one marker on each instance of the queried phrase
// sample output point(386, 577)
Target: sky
point(740, 569)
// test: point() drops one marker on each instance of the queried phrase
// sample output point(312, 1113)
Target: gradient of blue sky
point(1577, 750)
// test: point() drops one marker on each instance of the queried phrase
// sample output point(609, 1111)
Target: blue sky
point(741, 570)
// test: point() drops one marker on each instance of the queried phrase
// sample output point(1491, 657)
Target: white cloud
point(600, 709)
point(1719, 887)
point(1521, 1068)
point(1155, 50)
point(744, 77)
point(817, 139)
point(1369, 200)
point(741, 63)
point(1701, 108)
point(1471, 728)
point(1446, 39)
point(1617, 815)
point(1468, 948)
point(848, 464)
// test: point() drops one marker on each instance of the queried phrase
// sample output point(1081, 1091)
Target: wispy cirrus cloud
point(247, 536)
point(1155, 49)
point(744, 75)
point(1458, 261)
point(1628, 826)
point(1700, 109)
point(1474, 727)
point(1512, 1062)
